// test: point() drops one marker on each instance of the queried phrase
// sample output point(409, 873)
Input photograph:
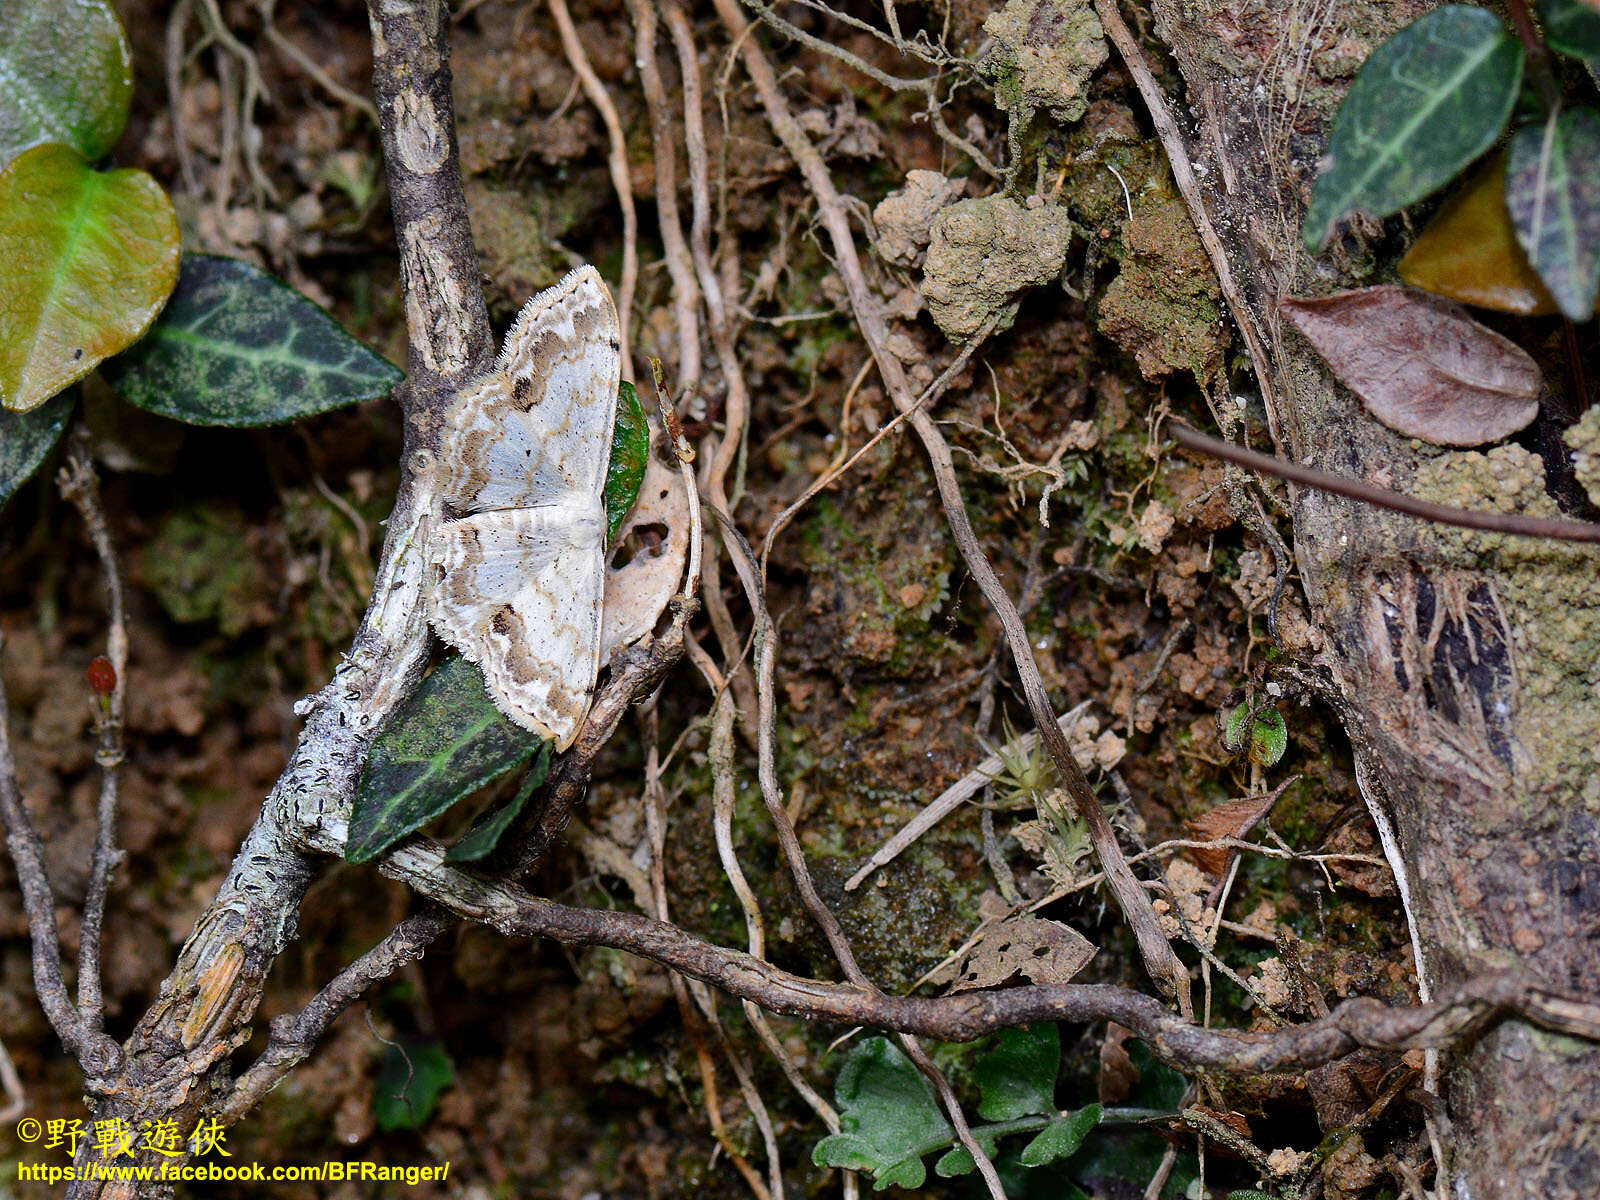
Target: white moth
point(518, 556)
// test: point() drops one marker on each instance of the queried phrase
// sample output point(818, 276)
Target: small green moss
point(201, 568)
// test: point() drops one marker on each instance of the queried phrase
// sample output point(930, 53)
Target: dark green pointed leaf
point(630, 454)
point(1426, 103)
point(26, 439)
point(888, 1117)
point(1159, 1085)
point(1061, 1139)
point(1018, 1077)
point(90, 257)
point(409, 1081)
point(64, 76)
point(479, 841)
point(1553, 193)
point(1572, 27)
point(445, 743)
point(238, 347)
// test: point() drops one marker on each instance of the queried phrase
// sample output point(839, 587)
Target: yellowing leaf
point(1421, 365)
point(89, 258)
point(1469, 252)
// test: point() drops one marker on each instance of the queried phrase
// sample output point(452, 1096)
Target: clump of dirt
point(904, 217)
point(1164, 308)
point(1046, 50)
point(983, 253)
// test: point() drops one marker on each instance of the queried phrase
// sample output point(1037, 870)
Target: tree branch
point(293, 1038)
point(96, 1053)
point(965, 1016)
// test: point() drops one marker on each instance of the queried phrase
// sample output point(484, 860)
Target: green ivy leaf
point(1261, 730)
point(1018, 1077)
point(90, 257)
point(1159, 1086)
point(26, 439)
point(630, 454)
point(447, 741)
point(65, 76)
point(888, 1117)
point(1553, 193)
point(479, 841)
point(1572, 27)
point(1062, 1138)
point(238, 347)
point(409, 1081)
point(1426, 103)
point(958, 1159)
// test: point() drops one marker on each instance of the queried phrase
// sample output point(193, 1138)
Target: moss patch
point(1164, 307)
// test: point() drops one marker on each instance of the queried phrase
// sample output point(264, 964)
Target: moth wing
point(519, 594)
point(536, 429)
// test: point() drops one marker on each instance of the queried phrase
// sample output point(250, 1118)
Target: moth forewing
point(519, 553)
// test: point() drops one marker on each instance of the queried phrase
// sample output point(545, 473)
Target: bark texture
point(1466, 662)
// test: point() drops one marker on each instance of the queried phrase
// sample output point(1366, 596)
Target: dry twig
point(618, 163)
point(79, 484)
point(1361, 1021)
point(1428, 510)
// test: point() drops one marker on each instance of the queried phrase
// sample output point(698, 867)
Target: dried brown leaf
point(1421, 365)
point(637, 592)
point(1044, 951)
point(1232, 819)
point(1117, 1072)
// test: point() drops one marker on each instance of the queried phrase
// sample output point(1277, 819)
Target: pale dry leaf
point(1421, 365)
point(1044, 951)
point(637, 592)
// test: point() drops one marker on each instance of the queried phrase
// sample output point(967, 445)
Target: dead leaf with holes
point(1421, 365)
point(1043, 951)
point(656, 538)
